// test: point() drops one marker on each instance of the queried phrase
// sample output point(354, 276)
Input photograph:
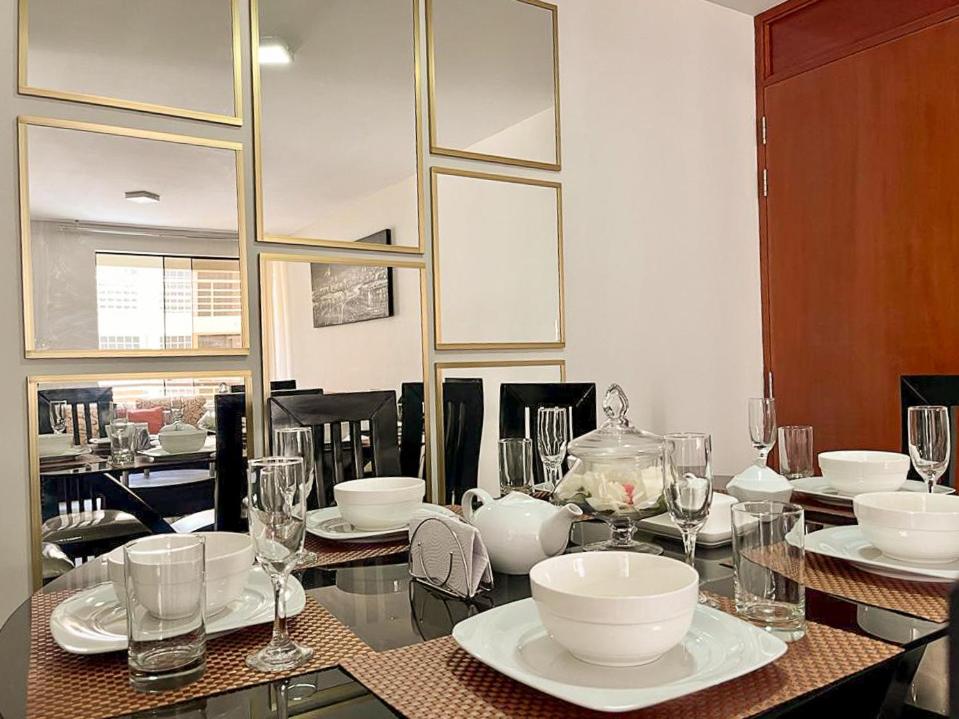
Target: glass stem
point(761, 459)
point(279, 616)
point(551, 472)
point(689, 544)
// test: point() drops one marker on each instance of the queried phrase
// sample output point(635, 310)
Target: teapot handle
point(482, 495)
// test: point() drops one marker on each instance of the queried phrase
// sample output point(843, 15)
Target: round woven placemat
point(63, 685)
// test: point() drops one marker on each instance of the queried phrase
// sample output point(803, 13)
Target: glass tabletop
point(377, 600)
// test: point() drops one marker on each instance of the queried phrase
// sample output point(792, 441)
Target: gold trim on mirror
point(481, 364)
point(437, 149)
point(33, 429)
point(261, 235)
point(267, 334)
point(439, 344)
point(29, 326)
point(235, 119)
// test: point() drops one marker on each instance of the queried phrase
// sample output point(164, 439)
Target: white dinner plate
point(158, 453)
point(819, 487)
point(327, 523)
point(849, 543)
point(718, 647)
point(69, 453)
point(663, 525)
point(93, 622)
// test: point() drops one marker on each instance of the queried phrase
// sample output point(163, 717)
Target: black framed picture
point(344, 294)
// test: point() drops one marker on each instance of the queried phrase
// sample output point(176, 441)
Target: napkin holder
point(438, 560)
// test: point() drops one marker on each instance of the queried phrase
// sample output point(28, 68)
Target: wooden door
point(861, 232)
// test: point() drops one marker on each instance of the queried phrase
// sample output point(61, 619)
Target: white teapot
point(518, 530)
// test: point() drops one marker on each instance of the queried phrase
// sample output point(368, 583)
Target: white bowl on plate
point(180, 438)
point(379, 503)
point(229, 556)
point(51, 445)
point(853, 472)
point(615, 609)
point(909, 526)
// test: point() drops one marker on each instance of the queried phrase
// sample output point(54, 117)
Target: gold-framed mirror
point(176, 57)
point(346, 70)
point(497, 245)
point(133, 242)
point(494, 81)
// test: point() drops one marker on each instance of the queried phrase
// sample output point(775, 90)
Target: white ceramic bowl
point(853, 472)
point(181, 439)
point(379, 503)
point(229, 557)
point(50, 445)
point(911, 526)
point(615, 608)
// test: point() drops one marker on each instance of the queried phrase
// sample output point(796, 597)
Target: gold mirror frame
point(438, 370)
point(437, 309)
point(235, 119)
point(266, 327)
point(29, 326)
point(261, 235)
point(33, 429)
point(437, 149)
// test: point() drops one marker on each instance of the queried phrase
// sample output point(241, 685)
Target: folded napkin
point(448, 554)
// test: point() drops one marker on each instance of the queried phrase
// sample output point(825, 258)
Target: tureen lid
point(616, 438)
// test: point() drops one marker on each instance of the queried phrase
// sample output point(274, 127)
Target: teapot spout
point(554, 533)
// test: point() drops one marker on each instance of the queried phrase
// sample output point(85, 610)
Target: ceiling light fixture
point(142, 196)
point(274, 51)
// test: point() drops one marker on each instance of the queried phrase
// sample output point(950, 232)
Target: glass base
point(781, 619)
point(279, 657)
point(708, 601)
point(611, 546)
point(307, 559)
point(147, 680)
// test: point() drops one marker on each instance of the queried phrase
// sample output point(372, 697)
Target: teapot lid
point(616, 438)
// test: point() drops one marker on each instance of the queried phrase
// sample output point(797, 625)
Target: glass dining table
point(377, 600)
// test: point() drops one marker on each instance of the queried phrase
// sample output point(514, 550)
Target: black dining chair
point(364, 417)
point(519, 402)
point(86, 403)
point(412, 421)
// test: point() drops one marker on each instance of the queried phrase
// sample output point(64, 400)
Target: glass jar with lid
point(616, 474)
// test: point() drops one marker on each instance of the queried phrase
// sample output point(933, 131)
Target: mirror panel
point(494, 81)
point(130, 242)
point(350, 74)
point(497, 244)
point(176, 57)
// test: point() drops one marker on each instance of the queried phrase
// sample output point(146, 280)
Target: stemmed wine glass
point(688, 488)
point(762, 426)
point(552, 430)
point(277, 512)
point(58, 416)
point(929, 442)
point(298, 442)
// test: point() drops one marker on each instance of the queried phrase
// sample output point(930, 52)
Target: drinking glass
point(929, 442)
point(298, 442)
point(688, 488)
point(122, 433)
point(165, 585)
point(767, 566)
point(795, 451)
point(58, 416)
point(516, 465)
point(762, 426)
point(277, 515)
point(552, 430)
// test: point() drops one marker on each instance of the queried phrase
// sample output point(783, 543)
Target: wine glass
point(58, 416)
point(929, 442)
point(762, 426)
point(277, 513)
point(298, 442)
point(688, 488)
point(552, 431)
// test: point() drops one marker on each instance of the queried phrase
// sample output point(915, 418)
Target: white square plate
point(718, 647)
point(326, 523)
point(664, 526)
point(819, 487)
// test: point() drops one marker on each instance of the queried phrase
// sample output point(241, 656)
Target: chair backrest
point(463, 412)
point(334, 415)
point(230, 484)
point(412, 419)
point(84, 402)
point(518, 404)
point(276, 384)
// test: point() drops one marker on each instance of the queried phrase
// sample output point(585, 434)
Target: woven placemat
point(59, 684)
point(460, 686)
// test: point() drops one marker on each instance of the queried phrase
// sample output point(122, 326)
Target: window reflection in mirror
point(176, 57)
point(337, 122)
point(131, 242)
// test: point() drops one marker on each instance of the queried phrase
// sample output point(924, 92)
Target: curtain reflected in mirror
point(337, 122)
point(131, 242)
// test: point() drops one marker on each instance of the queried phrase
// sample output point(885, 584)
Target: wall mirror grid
point(463, 391)
point(335, 326)
point(494, 81)
point(498, 245)
point(132, 242)
point(348, 70)
point(176, 57)
point(102, 472)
